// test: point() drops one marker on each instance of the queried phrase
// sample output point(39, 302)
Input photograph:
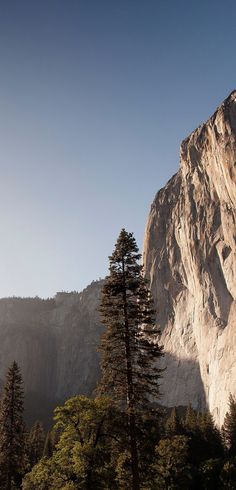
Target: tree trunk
point(134, 452)
point(130, 395)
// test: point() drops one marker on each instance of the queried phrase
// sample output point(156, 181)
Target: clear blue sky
point(95, 98)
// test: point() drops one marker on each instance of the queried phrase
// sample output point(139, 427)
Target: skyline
point(95, 100)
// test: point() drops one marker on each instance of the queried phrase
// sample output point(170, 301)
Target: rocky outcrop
point(190, 261)
point(54, 342)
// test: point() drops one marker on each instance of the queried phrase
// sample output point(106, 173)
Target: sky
point(95, 99)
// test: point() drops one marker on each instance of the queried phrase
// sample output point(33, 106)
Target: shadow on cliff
point(181, 383)
point(39, 407)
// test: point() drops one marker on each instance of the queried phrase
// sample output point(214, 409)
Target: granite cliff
point(190, 261)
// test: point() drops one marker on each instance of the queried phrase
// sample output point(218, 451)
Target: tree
point(173, 424)
point(49, 445)
point(12, 431)
point(86, 453)
point(210, 471)
point(228, 474)
point(229, 427)
point(205, 441)
point(191, 419)
point(212, 447)
point(129, 347)
point(41, 476)
point(172, 468)
point(36, 443)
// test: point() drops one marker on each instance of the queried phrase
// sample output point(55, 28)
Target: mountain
point(54, 342)
point(190, 261)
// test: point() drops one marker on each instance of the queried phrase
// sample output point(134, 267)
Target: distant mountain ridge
point(54, 341)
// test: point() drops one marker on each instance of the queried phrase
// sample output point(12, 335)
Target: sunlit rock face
point(190, 260)
point(55, 344)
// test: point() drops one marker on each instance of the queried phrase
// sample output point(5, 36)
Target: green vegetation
point(84, 455)
point(119, 440)
point(89, 447)
point(13, 461)
point(172, 469)
point(92, 452)
point(129, 346)
point(36, 441)
point(229, 427)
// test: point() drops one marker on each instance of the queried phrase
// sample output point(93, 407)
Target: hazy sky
point(95, 98)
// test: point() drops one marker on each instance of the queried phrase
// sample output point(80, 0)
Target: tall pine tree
point(129, 346)
point(229, 427)
point(12, 433)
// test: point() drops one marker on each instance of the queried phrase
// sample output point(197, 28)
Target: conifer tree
point(12, 432)
point(173, 424)
point(171, 467)
point(52, 438)
point(229, 427)
point(191, 420)
point(211, 437)
point(48, 445)
point(36, 443)
point(129, 345)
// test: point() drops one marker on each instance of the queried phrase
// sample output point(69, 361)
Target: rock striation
point(190, 260)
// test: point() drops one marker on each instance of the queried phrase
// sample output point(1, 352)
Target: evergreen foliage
point(191, 420)
point(13, 460)
point(36, 443)
point(210, 471)
point(172, 470)
point(205, 440)
point(173, 424)
point(212, 446)
point(228, 475)
point(49, 444)
point(89, 449)
point(148, 435)
point(129, 346)
point(229, 427)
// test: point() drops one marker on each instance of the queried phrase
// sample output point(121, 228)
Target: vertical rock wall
point(190, 260)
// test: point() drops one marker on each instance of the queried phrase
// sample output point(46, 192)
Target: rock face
point(55, 344)
point(190, 260)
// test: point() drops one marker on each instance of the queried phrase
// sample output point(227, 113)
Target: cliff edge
point(190, 261)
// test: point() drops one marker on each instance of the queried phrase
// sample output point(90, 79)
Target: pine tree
point(48, 445)
point(229, 427)
point(52, 438)
point(12, 432)
point(173, 424)
point(172, 470)
point(191, 420)
point(36, 443)
point(211, 437)
point(129, 346)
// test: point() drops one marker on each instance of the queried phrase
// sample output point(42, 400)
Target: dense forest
point(121, 438)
